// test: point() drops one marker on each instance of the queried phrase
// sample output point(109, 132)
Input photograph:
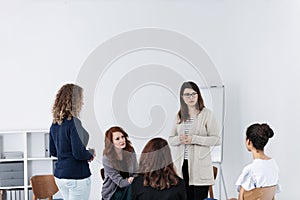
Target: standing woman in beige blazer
point(194, 132)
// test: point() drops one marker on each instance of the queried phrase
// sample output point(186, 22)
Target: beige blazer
point(205, 134)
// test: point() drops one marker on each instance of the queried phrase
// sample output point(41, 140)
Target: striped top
point(187, 126)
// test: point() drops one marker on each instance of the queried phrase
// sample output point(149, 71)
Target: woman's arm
point(114, 175)
point(78, 149)
point(174, 138)
point(241, 194)
point(211, 129)
point(53, 151)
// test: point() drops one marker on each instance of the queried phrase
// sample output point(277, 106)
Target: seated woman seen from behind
point(157, 177)
point(263, 171)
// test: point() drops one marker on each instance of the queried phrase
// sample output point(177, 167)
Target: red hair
point(109, 148)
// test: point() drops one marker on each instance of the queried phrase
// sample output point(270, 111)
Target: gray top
point(113, 178)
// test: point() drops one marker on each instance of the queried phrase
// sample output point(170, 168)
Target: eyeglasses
point(189, 95)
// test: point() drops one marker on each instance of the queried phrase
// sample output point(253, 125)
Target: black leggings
point(193, 192)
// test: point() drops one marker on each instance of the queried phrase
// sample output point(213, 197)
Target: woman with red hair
point(119, 161)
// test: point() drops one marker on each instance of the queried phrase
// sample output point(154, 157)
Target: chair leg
point(211, 193)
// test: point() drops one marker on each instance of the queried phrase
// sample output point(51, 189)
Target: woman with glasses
point(194, 132)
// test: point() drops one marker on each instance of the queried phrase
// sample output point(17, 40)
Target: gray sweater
point(113, 178)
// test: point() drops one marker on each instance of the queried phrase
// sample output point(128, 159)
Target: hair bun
point(268, 131)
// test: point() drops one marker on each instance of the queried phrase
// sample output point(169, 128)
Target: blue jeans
point(74, 189)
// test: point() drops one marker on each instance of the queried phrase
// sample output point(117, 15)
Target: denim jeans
point(74, 189)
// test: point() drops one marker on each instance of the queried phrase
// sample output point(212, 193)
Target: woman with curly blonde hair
point(68, 141)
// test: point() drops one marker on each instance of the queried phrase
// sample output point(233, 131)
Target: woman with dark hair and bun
point(263, 171)
point(157, 177)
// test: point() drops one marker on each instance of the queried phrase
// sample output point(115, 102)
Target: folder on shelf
point(46, 140)
point(14, 195)
point(1, 147)
point(12, 154)
point(3, 195)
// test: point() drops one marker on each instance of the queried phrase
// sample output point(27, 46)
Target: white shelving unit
point(36, 160)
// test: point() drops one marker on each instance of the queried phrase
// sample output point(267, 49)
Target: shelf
point(41, 159)
point(12, 187)
point(34, 144)
point(12, 160)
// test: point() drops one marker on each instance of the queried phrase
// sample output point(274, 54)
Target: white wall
point(254, 44)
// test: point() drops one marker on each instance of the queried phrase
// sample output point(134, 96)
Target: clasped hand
point(185, 139)
point(130, 179)
point(93, 152)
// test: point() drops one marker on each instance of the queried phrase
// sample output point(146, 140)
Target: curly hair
point(68, 103)
point(109, 149)
point(156, 165)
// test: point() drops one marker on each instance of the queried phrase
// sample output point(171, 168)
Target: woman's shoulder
point(180, 182)
point(206, 111)
point(180, 179)
point(105, 160)
point(270, 161)
point(76, 121)
point(138, 181)
point(66, 122)
point(73, 121)
point(139, 178)
point(259, 165)
point(264, 164)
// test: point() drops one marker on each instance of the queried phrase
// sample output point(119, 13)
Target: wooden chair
point(43, 186)
point(264, 193)
point(210, 190)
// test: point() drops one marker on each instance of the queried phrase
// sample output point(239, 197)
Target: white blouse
point(260, 173)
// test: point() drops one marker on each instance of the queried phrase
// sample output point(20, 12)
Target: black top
point(141, 192)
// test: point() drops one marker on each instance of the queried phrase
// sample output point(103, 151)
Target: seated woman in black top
point(157, 177)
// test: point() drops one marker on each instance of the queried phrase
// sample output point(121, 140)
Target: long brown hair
point(156, 165)
point(128, 152)
point(183, 113)
point(68, 103)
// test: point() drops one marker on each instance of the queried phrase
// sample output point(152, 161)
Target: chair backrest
point(43, 186)
point(102, 173)
point(264, 193)
point(210, 190)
